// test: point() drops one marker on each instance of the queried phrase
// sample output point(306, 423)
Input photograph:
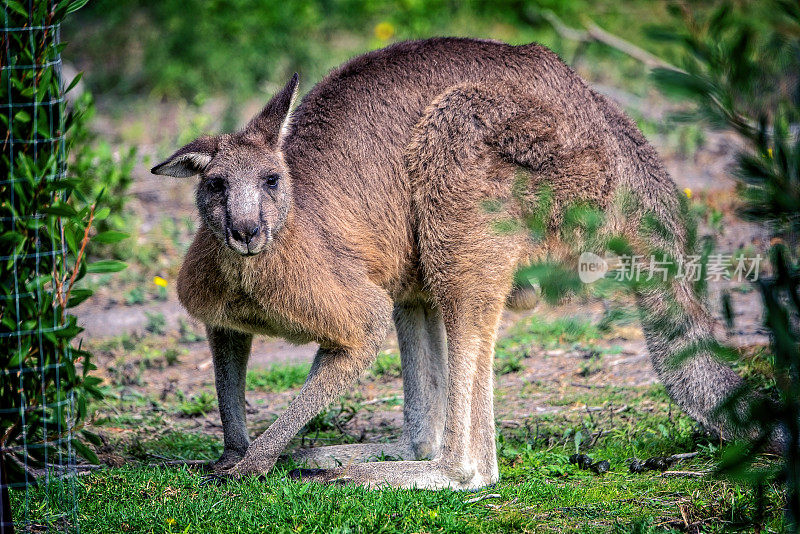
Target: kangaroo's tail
point(678, 329)
point(679, 335)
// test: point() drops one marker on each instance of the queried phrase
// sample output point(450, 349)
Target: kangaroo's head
point(244, 192)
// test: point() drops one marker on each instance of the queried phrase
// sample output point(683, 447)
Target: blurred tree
point(741, 71)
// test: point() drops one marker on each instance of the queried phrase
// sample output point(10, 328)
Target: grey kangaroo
point(366, 206)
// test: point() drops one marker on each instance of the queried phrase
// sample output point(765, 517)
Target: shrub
point(46, 226)
point(101, 168)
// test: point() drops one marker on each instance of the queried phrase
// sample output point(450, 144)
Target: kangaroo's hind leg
point(467, 455)
point(421, 335)
point(470, 277)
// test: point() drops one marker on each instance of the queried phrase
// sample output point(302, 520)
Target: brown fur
point(378, 214)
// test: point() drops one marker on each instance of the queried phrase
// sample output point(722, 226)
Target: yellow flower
point(688, 192)
point(157, 280)
point(384, 31)
point(170, 521)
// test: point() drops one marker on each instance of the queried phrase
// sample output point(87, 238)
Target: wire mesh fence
point(41, 373)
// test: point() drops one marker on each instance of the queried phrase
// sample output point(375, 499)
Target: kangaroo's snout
point(250, 215)
point(247, 237)
point(244, 232)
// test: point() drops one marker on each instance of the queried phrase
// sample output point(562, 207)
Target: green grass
point(562, 331)
point(172, 500)
point(539, 491)
point(196, 405)
point(531, 335)
point(131, 355)
point(386, 365)
point(284, 376)
point(175, 445)
point(278, 377)
point(187, 334)
point(156, 323)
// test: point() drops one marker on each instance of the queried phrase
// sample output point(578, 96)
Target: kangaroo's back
point(349, 135)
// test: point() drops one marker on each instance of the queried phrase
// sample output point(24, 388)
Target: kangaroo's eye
point(216, 185)
point(271, 180)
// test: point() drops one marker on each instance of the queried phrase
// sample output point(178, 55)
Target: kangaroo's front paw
point(249, 466)
point(226, 461)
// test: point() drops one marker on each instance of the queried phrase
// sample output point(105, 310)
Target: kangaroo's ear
point(272, 124)
point(189, 160)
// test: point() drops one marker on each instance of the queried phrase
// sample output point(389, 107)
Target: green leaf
point(22, 116)
point(85, 451)
point(92, 438)
point(12, 238)
point(18, 472)
point(38, 281)
point(680, 84)
point(16, 6)
point(661, 33)
point(67, 333)
point(91, 381)
point(75, 6)
point(102, 213)
point(16, 358)
point(44, 86)
point(577, 440)
point(60, 208)
point(74, 82)
point(106, 266)
point(71, 239)
point(110, 236)
point(77, 296)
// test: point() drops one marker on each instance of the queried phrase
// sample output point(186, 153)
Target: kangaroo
point(366, 206)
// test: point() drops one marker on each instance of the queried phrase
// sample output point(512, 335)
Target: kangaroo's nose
point(245, 233)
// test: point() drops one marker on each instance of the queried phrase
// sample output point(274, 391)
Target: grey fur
point(230, 351)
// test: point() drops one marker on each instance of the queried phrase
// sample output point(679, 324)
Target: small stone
point(635, 466)
point(657, 463)
point(600, 467)
point(581, 460)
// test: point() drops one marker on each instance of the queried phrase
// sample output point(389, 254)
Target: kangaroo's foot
point(344, 455)
point(430, 475)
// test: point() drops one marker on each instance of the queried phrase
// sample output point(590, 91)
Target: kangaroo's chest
point(227, 296)
point(246, 312)
point(261, 303)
